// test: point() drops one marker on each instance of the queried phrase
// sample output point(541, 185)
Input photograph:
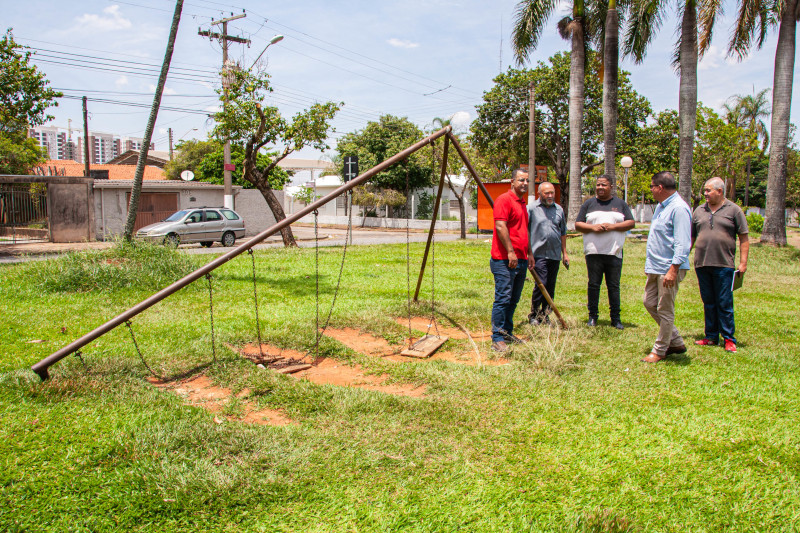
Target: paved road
point(304, 234)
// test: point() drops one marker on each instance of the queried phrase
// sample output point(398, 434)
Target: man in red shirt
point(510, 251)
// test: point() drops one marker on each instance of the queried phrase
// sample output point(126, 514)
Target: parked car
point(205, 225)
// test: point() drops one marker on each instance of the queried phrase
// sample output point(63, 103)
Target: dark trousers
point(715, 290)
point(610, 266)
point(547, 270)
point(508, 285)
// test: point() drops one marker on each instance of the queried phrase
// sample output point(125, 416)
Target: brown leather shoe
point(676, 349)
point(499, 346)
point(653, 358)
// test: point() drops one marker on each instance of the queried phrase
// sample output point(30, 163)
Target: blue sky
point(419, 59)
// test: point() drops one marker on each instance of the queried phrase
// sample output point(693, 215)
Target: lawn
point(574, 434)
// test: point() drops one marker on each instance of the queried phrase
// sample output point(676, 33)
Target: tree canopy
point(247, 122)
point(500, 130)
point(24, 100)
point(381, 140)
point(24, 94)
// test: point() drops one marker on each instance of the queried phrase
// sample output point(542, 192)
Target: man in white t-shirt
point(604, 220)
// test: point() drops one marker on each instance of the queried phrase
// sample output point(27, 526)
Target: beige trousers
point(660, 303)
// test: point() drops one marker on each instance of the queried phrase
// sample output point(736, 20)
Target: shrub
point(755, 222)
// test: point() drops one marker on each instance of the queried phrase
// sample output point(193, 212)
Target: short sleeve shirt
point(512, 209)
point(547, 226)
point(715, 234)
point(611, 211)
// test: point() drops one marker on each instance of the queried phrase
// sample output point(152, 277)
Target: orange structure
point(485, 218)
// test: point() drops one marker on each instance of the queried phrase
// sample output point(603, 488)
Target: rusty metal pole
point(433, 220)
point(41, 368)
point(536, 279)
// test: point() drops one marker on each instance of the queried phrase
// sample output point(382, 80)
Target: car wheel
point(207, 244)
point(228, 238)
point(172, 240)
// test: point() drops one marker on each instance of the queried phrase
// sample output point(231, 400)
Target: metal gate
point(23, 213)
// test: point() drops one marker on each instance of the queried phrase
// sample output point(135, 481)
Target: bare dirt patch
point(420, 323)
point(368, 344)
point(327, 371)
point(200, 391)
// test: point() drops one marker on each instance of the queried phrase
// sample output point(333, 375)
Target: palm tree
point(750, 112)
point(645, 21)
point(609, 37)
point(531, 16)
point(750, 29)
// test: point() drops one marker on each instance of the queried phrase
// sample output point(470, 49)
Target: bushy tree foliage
point(188, 155)
point(24, 100)
point(500, 132)
point(212, 166)
point(379, 141)
point(247, 122)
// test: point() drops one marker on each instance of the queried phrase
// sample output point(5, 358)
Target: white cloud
point(713, 58)
point(398, 43)
point(121, 81)
point(167, 90)
point(110, 20)
point(163, 131)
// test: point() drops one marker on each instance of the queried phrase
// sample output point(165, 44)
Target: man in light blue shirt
point(668, 245)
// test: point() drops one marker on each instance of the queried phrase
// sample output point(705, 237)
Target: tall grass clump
point(138, 265)
point(550, 349)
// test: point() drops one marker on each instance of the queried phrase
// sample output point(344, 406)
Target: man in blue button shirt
point(668, 245)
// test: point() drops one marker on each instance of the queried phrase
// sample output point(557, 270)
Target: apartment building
point(103, 147)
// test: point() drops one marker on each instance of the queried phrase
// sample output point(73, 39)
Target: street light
point(276, 39)
point(626, 163)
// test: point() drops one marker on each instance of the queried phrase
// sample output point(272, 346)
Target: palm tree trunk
point(136, 190)
point(687, 104)
point(576, 97)
point(775, 219)
point(747, 185)
point(610, 81)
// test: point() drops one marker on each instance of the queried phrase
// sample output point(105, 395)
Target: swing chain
point(138, 351)
point(255, 302)
point(316, 263)
point(408, 253)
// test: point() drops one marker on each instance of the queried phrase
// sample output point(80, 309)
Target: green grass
point(575, 435)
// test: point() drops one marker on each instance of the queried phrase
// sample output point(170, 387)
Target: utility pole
point(532, 133)
point(223, 39)
point(85, 139)
point(170, 143)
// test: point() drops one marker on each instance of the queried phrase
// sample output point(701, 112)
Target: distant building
point(103, 147)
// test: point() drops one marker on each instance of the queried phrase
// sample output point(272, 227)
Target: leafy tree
point(371, 198)
point(24, 100)
point(247, 122)
point(500, 131)
point(753, 21)
point(750, 111)
point(19, 156)
point(645, 21)
point(212, 166)
point(379, 141)
point(188, 155)
point(721, 149)
point(24, 92)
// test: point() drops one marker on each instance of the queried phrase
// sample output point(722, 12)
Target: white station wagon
point(205, 225)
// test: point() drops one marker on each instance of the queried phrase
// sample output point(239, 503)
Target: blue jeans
point(715, 290)
point(508, 285)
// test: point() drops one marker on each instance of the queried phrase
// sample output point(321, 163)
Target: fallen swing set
point(42, 367)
